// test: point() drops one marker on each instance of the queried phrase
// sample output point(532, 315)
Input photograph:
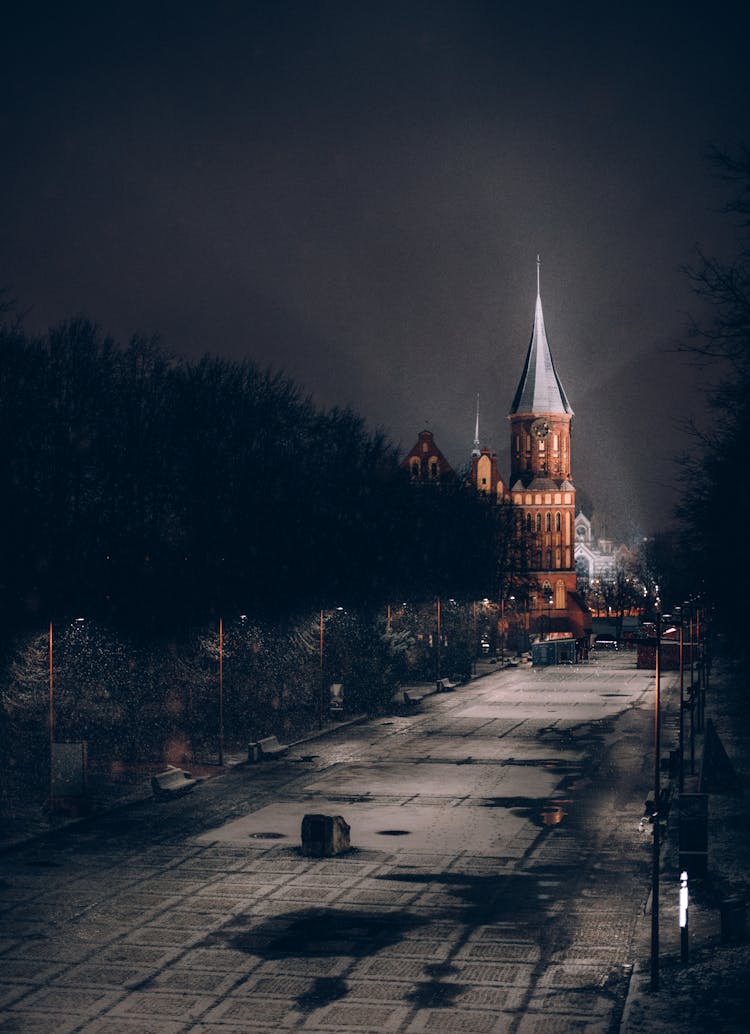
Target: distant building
point(597, 559)
point(425, 462)
point(484, 475)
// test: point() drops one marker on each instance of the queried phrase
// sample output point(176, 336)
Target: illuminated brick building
point(541, 487)
point(425, 462)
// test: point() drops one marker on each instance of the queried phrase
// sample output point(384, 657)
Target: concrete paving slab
point(470, 921)
point(433, 778)
point(385, 827)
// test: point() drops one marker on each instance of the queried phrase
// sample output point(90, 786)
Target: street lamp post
point(320, 690)
point(692, 701)
point(701, 672)
point(439, 635)
point(502, 630)
point(656, 819)
point(51, 725)
point(221, 692)
point(682, 703)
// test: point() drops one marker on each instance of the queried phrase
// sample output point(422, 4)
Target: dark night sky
point(357, 193)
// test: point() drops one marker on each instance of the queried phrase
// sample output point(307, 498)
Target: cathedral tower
point(540, 478)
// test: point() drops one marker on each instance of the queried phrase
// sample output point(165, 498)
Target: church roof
point(540, 390)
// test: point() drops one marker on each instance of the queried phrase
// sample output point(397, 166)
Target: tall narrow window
point(548, 522)
point(528, 522)
point(557, 522)
point(538, 522)
point(549, 559)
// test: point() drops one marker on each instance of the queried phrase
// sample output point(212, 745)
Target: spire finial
point(538, 265)
point(476, 449)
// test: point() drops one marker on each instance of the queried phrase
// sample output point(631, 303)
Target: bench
point(411, 701)
point(445, 685)
point(265, 749)
point(665, 799)
point(336, 700)
point(172, 782)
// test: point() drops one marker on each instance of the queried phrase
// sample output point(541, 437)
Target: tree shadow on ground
point(314, 932)
point(324, 991)
point(482, 898)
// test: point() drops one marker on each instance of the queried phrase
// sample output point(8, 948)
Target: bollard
point(684, 916)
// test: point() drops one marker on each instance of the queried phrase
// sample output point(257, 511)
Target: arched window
point(538, 522)
point(538, 558)
point(415, 468)
point(433, 468)
point(528, 522)
point(548, 521)
point(557, 522)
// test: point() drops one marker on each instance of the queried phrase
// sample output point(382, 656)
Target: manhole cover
point(267, 836)
point(393, 832)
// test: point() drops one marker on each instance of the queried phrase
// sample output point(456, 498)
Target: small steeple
point(476, 451)
point(540, 390)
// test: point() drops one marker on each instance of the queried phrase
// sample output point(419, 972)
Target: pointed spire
point(540, 390)
point(476, 451)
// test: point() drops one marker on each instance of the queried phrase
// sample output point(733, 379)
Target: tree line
point(151, 491)
point(716, 488)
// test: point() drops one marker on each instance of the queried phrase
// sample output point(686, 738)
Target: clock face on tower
point(540, 428)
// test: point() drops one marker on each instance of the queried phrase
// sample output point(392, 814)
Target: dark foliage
point(716, 486)
point(153, 493)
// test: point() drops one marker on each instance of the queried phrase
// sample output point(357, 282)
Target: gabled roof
point(424, 450)
point(540, 390)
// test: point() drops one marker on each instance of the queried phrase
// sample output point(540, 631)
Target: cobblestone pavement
point(496, 881)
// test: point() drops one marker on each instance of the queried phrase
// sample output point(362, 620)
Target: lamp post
point(320, 691)
point(701, 680)
point(549, 615)
point(692, 699)
point(656, 819)
point(51, 724)
point(681, 783)
point(502, 629)
point(221, 692)
point(439, 636)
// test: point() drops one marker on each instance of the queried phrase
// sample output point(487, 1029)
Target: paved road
point(495, 884)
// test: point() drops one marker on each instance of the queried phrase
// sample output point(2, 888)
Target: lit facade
point(541, 487)
point(425, 463)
